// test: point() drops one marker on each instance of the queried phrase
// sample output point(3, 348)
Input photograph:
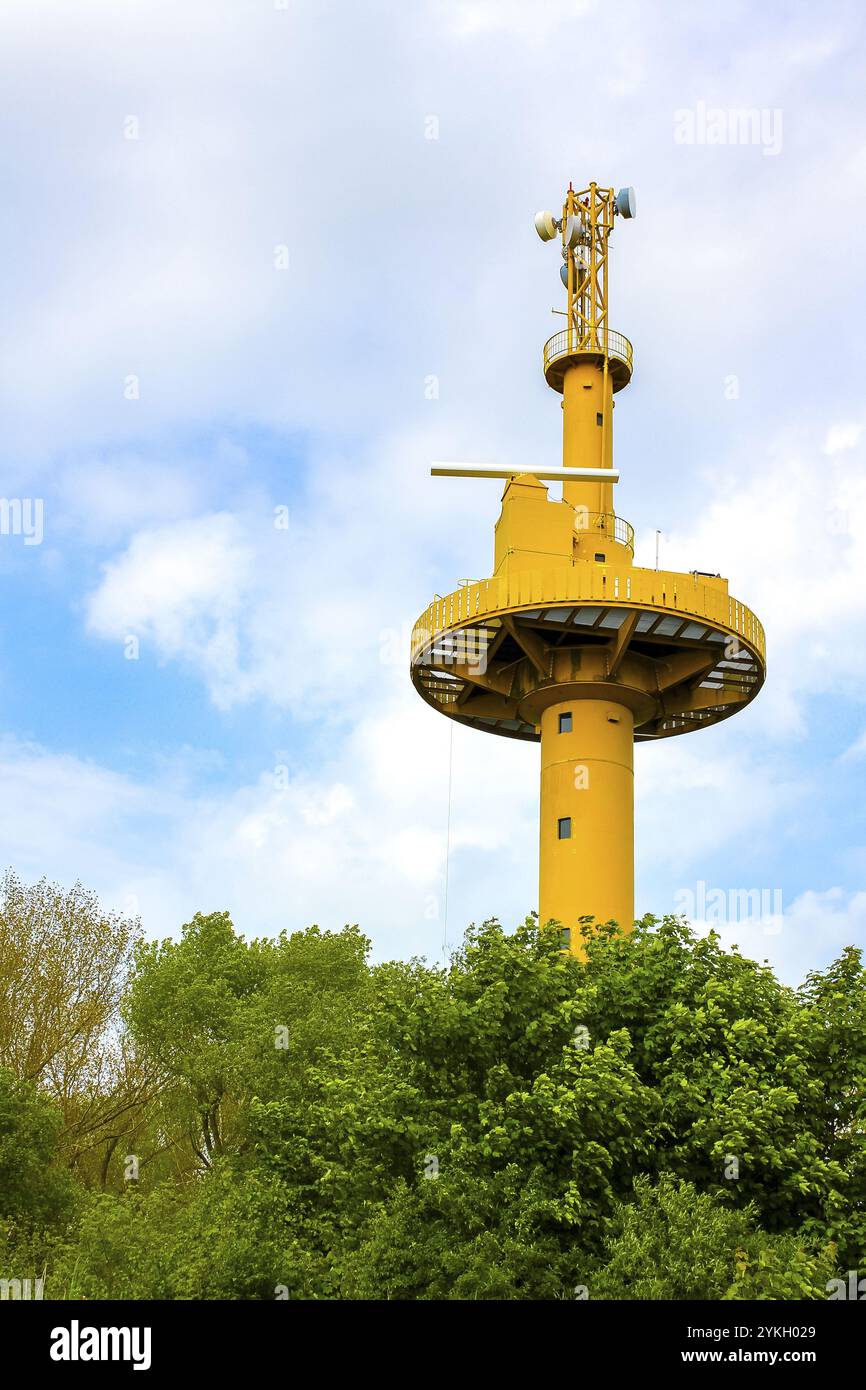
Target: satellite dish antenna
point(626, 204)
point(545, 225)
point(573, 231)
point(579, 273)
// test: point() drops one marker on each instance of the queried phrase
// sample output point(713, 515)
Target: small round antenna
point(579, 274)
point(573, 231)
point(626, 204)
point(545, 225)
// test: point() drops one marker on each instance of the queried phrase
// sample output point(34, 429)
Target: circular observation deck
point(560, 353)
point(675, 648)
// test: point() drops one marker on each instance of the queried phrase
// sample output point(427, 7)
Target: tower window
point(565, 723)
point(599, 557)
point(599, 418)
point(564, 827)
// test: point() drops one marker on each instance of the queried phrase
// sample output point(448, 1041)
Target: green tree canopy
point(663, 1119)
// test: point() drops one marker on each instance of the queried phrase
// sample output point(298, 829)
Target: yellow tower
point(569, 643)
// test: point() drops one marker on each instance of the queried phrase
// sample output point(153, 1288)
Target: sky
point(262, 264)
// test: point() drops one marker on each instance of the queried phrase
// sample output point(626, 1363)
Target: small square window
point(599, 557)
point(565, 937)
point(564, 825)
point(565, 723)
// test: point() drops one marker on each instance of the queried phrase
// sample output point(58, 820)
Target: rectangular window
point(599, 418)
point(566, 938)
point(565, 827)
point(565, 723)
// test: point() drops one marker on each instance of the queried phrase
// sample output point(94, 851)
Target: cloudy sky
point(239, 240)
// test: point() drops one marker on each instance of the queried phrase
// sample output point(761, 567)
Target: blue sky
point(233, 258)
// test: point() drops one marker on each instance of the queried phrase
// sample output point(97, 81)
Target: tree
point(673, 1243)
point(34, 1192)
point(64, 967)
point(663, 1119)
point(222, 1020)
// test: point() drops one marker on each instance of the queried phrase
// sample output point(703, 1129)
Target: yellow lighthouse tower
point(569, 643)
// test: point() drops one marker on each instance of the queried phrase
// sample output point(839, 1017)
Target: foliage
point(673, 1242)
point(34, 1191)
point(64, 968)
point(662, 1120)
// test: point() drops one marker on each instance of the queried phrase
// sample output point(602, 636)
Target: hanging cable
point(448, 843)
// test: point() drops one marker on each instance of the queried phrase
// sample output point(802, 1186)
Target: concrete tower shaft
point(569, 643)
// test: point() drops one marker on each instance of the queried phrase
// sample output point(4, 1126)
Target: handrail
point(659, 590)
point(616, 527)
point(564, 344)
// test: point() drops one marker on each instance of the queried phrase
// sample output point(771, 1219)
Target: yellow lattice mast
point(588, 362)
point(569, 643)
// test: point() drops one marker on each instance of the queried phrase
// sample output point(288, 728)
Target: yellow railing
point(660, 590)
point(615, 527)
point(564, 343)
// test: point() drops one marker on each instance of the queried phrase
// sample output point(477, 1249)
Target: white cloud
point(357, 839)
point(473, 18)
point(857, 748)
point(358, 835)
point(316, 615)
point(164, 267)
point(807, 934)
point(788, 537)
point(407, 257)
point(842, 437)
point(361, 832)
point(321, 615)
point(105, 500)
point(182, 587)
point(62, 816)
point(699, 794)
